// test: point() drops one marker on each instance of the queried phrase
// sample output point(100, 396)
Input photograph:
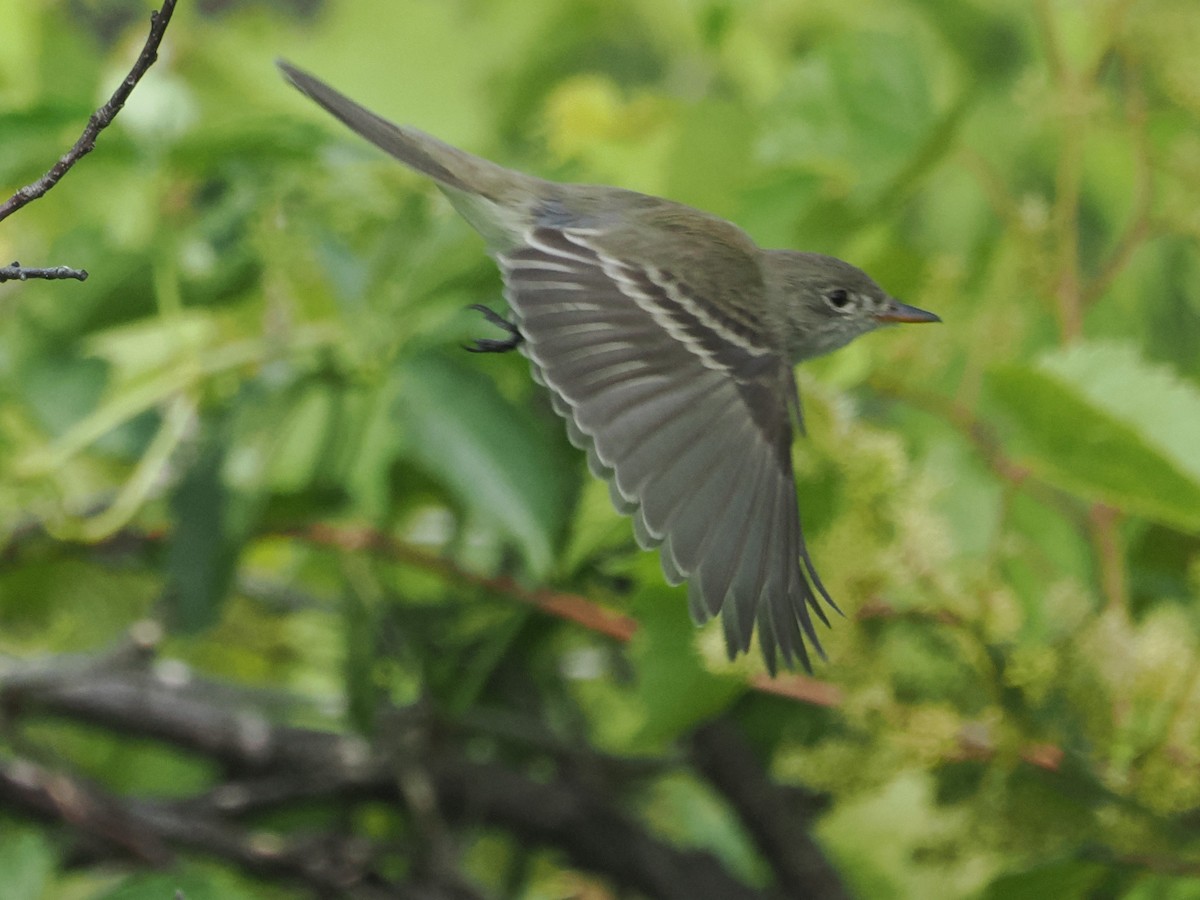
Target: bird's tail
point(456, 171)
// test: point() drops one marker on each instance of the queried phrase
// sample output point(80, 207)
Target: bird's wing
point(684, 409)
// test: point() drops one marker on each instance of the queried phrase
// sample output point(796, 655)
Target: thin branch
point(593, 616)
point(1049, 30)
point(981, 436)
point(567, 606)
point(147, 829)
point(1068, 281)
point(99, 120)
point(1101, 522)
point(16, 272)
point(1181, 868)
point(1104, 524)
point(1140, 225)
point(800, 688)
point(1115, 16)
point(995, 190)
point(571, 607)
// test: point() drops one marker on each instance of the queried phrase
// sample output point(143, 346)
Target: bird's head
point(827, 303)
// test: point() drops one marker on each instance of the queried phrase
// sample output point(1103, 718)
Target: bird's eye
point(838, 298)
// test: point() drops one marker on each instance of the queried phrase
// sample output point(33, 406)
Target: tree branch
point(146, 829)
point(54, 796)
point(17, 272)
point(570, 607)
point(724, 758)
point(289, 763)
point(98, 121)
point(1140, 226)
point(986, 443)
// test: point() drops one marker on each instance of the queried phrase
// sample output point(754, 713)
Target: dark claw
point(491, 345)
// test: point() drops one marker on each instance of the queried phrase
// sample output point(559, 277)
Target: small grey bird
point(667, 338)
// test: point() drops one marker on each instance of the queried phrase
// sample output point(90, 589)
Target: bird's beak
point(896, 311)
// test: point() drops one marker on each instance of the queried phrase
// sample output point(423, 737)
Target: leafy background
point(252, 435)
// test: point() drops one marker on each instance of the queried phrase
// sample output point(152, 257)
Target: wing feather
point(679, 406)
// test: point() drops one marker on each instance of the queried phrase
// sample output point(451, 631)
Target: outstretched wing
point(684, 409)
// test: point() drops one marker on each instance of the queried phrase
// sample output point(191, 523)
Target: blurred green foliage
point(1007, 506)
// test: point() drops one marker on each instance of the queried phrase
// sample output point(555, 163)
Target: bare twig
point(799, 688)
point(98, 121)
point(561, 604)
point(1049, 31)
point(1104, 524)
point(1140, 226)
point(1068, 281)
point(995, 190)
point(16, 272)
point(986, 443)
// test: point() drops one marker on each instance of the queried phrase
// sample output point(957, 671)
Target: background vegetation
point(296, 596)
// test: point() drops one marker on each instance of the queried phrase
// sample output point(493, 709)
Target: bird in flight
point(666, 338)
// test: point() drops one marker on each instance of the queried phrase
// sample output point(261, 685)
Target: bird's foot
point(491, 345)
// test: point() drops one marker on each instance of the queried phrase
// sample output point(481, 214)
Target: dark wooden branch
point(335, 865)
point(724, 758)
point(284, 764)
point(592, 832)
point(199, 717)
point(54, 796)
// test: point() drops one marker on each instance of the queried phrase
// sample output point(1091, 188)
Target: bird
point(667, 339)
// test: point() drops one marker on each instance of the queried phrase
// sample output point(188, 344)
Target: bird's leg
point(490, 345)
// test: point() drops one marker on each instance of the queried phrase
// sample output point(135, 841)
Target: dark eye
point(838, 298)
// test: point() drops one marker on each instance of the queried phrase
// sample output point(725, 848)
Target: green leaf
point(192, 884)
point(992, 47)
point(360, 629)
point(1154, 886)
point(1151, 398)
point(881, 89)
point(1097, 420)
point(859, 106)
point(203, 555)
point(675, 692)
point(26, 861)
point(489, 453)
point(692, 815)
point(1064, 880)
